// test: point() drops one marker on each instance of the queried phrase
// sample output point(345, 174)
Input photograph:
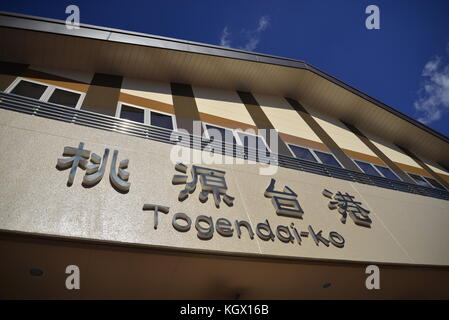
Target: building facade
point(169, 169)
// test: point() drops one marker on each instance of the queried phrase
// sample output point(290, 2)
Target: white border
point(386, 167)
point(315, 155)
point(239, 141)
point(310, 150)
point(48, 91)
point(146, 114)
point(172, 116)
point(372, 165)
point(206, 133)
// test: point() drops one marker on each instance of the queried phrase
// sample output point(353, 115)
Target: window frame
point(206, 133)
point(239, 142)
point(172, 116)
point(146, 114)
point(394, 173)
point(312, 150)
point(338, 161)
point(372, 165)
point(425, 179)
point(48, 91)
point(419, 175)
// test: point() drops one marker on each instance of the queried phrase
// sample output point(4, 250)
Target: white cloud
point(224, 39)
point(434, 92)
point(250, 38)
point(263, 23)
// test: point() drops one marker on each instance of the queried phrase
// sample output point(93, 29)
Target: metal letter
point(156, 208)
point(119, 180)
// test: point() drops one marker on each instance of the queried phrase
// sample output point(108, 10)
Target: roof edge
point(22, 21)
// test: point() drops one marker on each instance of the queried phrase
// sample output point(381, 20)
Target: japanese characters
point(79, 157)
point(212, 181)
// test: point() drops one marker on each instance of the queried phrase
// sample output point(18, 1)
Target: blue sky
point(405, 64)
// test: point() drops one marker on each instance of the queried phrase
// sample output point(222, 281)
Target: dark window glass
point(328, 159)
point(387, 172)
point(367, 168)
point(419, 180)
point(303, 153)
point(130, 113)
point(161, 120)
point(254, 142)
point(435, 183)
point(29, 89)
point(221, 134)
point(66, 98)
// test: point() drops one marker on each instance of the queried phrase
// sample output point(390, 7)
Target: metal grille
point(95, 120)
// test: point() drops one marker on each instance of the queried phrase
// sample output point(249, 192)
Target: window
point(314, 155)
point(419, 180)
point(252, 141)
point(145, 115)
point(219, 133)
point(367, 168)
point(302, 153)
point(29, 89)
point(435, 183)
point(161, 120)
point(327, 158)
point(132, 113)
point(64, 97)
point(46, 93)
point(386, 172)
point(426, 181)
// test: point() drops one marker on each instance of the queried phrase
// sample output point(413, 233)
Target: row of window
point(47, 93)
point(368, 168)
point(63, 96)
point(71, 98)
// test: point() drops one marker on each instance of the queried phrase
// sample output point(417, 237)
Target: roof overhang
point(48, 43)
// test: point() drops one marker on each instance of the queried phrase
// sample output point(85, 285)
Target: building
point(309, 182)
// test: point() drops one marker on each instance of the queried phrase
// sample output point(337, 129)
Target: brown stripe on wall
point(184, 103)
point(103, 94)
point(227, 123)
point(146, 103)
point(424, 166)
point(261, 120)
point(303, 142)
point(411, 169)
point(379, 153)
point(363, 157)
point(288, 138)
point(319, 131)
point(9, 71)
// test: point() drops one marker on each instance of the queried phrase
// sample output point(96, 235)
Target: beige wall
point(344, 138)
point(221, 103)
point(284, 117)
point(34, 198)
point(435, 167)
point(393, 152)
